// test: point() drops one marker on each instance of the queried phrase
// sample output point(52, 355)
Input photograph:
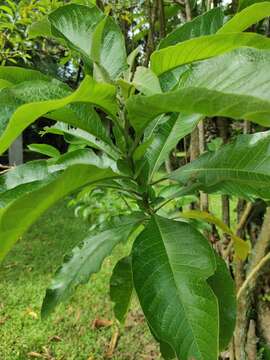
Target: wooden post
point(15, 152)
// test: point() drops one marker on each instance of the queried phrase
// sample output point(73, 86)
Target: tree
point(183, 285)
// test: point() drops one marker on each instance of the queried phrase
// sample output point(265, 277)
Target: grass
point(68, 333)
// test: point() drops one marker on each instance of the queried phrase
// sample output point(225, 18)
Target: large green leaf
point(224, 288)
point(202, 48)
point(19, 214)
point(22, 104)
point(205, 24)
point(242, 4)
point(247, 17)
point(146, 81)
point(165, 139)
point(76, 24)
point(241, 168)
point(121, 287)
point(108, 48)
point(44, 149)
point(234, 85)
point(87, 258)
point(171, 262)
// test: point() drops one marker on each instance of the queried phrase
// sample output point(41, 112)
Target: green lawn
point(68, 333)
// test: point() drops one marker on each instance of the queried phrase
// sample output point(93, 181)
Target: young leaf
point(202, 48)
point(224, 288)
point(22, 114)
point(241, 168)
point(210, 89)
point(171, 262)
point(165, 139)
point(121, 288)
point(44, 149)
point(108, 48)
point(205, 24)
point(88, 258)
point(247, 17)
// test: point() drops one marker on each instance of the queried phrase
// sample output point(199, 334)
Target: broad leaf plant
point(207, 67)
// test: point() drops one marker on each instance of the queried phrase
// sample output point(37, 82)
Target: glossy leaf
point(224, 288)
point(108, 48)
point(233, 85)
point(121, 288)
point(241, 168)
point(202, 48)
point(19, 214)
point(87, 258)
point(205, 24)
point(247, 17)
point(44, 149)
point(22, 104)
point(75, 24)
point(171, 262)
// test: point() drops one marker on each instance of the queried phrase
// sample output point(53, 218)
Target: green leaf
point(16, 75)
point(224, 288)
point(121, 288)
point(84, 137)
point(241, 168)
point(205, 24)
point(45, 149)
point(76, 24)
point(22, 114)
point(108, 48)
point(171, 262)
point(166, 138)
point(40, 28)
point(87, 259)
point(242, 4)
point(234, 85)
point(202, 48)
point(247, 17)
point(146, 81)
point(28, 207)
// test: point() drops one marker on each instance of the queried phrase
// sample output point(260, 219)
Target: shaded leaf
point(224, 288)
point(45, 149)
point(121, 288)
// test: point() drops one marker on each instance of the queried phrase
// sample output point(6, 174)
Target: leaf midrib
point(179, 296)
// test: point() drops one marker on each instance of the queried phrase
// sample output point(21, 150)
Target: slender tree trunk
point(15, 152)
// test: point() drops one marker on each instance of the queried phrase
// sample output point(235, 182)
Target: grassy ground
point(68, 333)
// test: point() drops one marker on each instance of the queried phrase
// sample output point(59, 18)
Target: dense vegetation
point(124, 117)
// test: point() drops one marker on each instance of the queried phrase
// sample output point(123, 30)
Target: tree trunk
point(15, 152)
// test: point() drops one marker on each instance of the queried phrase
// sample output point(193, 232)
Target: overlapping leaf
point(24, 103)
point(234, 85)
point(241, 168)
point(171, 262)
point(202, 48)
point(29, 190)
point(205, 24)
point(247, 17)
